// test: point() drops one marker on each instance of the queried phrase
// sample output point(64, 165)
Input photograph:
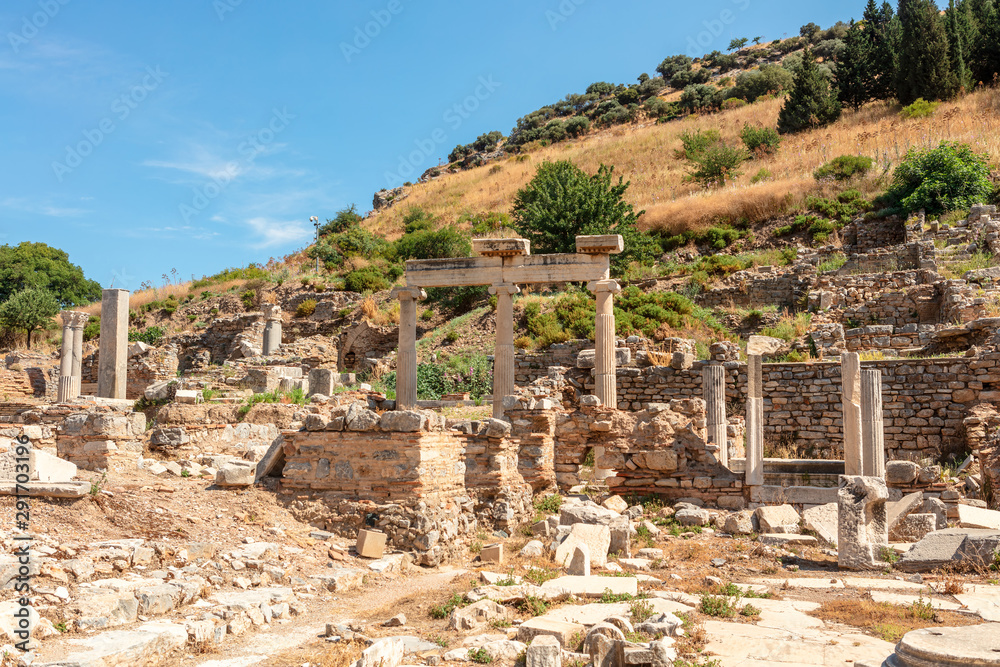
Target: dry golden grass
point(644, 155)
point(888, 621)
point(139, 299)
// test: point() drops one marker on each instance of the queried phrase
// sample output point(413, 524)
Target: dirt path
point(266, 647)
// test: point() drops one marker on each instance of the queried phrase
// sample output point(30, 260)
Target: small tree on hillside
point(737, 44)
point(812, 102)
point(855, 78)
point(924, 57)
point(28, 310)
point(562, 201)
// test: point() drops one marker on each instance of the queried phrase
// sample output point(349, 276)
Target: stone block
point(545, 651)
point(596, 538)
point(492, 554)
point(323, 381)
point(562, 631)
point(371, 543)
point(913, 528)
point(187, 396)
point(897, 511)
point(740, 523)
point(899, 473)
point(782, 519)
point(764, 345)
point(478, 614)
point(977, 517)
point(236, 474)
point(863, 528)
point(822, 520)
point(593, 586)
point(403, 421)
point(42, 467)
point(579, 563)
point(615, 504)
point(383, 653)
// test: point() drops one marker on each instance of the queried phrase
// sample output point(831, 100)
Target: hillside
point(644, 154)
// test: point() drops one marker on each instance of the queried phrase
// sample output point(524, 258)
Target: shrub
point(733, 103)
point(368, 279)
point(697, 96)
point(577, 126)
point(921, 108)
point(427, 315)
point(428, 244)
point(760, 140)
point(762, 175)
point(719, 163)
point(755, 84)
point(843, 168)
point(945, 178)
point(306, 308)
point(149, 335)
point(696, 143)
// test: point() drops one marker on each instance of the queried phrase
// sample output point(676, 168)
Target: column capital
point(505, 289)
point(79, 320)
point(272, 312)
point(599, 286)
point(406, 292)
point(70, 317)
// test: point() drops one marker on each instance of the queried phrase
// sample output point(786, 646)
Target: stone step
point(150, 644)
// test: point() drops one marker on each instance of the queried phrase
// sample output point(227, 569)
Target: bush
point(843, 168)
point(760, 140)
point(718, 164)
point(697, 96)
point(733, 103)
point(149, 335)
point(368, 279)
point(946, 178)
point(457, 298)
point(696, 143)
point(428, 244)
point(344, 219)
point(306, 308)
point(762, 175)
point(93, 328)
point(921, 108)
point(769, 79)
point(577, 126)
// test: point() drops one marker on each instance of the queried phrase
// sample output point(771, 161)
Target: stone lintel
point(607, 244)
point(501, 247)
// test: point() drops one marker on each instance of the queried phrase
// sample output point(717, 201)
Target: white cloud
point(38, 208)
point(270, 232)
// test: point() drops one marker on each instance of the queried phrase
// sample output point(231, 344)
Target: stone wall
point(143, 370)
point(925, 400)
point(765, 285)
point(14, 385)
point(103, 438)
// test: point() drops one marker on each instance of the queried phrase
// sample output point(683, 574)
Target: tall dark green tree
point(855, 76)
point(813, 100)
point(957, 36)
point(983, 39)
point(882, 28)
point(925, 66)
point(562, 201)
point(40, 265)
point(28, 310)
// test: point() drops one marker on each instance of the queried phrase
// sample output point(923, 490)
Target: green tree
point(957, 35)
point(982, 18)
point(40, 265)
point(737, 44)
point(924, 57)
point(812, 102)
point(882, 29)
point(673, 65)
point(855, 78)
point(758, 39)
point(30, 309)
point(344, 218)
point(562, 202)
point(947, 178)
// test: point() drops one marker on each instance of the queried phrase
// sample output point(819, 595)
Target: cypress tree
point(812, 102)
point(924, 69)
point(984, 39)
point(956, 44)
point(855, 76)
point(881, 27)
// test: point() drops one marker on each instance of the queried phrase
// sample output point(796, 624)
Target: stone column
point(78, 326)
point(272, 329)
point(112, 369)
point(406, 357)
point(755, 421)
point(850, 378)
point(605, 376)
point(872, 434)
point(503, 355)
point(66, 359)
point(714, 388)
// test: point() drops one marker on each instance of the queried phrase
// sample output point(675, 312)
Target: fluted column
point(755, 421)
point(78, 325)
point(112, 364)
point(406, 357)
point(272, 328)
point(605, 375)
point(850, 378)
point(872, 434)
point(714, 388)
point(503, 355)
point(66, 359)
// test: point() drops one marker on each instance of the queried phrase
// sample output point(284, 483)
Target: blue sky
point(193, 135)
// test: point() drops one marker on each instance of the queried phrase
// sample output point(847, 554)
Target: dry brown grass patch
point(885, 620)
point(340, 654)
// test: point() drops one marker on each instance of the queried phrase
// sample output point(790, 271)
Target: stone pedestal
point(850, 376)
point(872, 434)
point(605, 376)
point(406, 357)
point(503, 357)
point(862, 522)
point(714, 389)
point(755, 422)
point(272, 329)
point(113, 355)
